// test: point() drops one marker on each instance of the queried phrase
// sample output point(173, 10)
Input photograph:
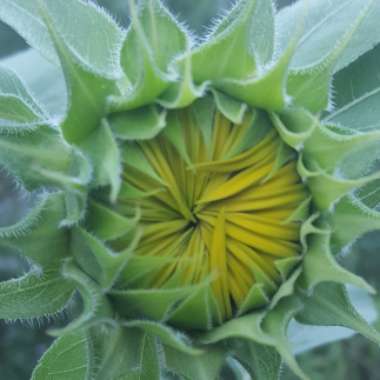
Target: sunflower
point(197, 194)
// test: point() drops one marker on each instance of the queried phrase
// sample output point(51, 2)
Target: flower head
point(193, 193)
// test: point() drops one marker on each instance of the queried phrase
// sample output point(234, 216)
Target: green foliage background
point(21, 345)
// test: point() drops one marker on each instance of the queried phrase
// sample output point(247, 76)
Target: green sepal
point(286, 289)
point(98, 260)
point(34, 295)
point(50, 160)
point(263, 328)
point(287, 265)
point(96, 308)
point(262, 362)
point(40, 228)
point(174, 305)
point(319, 266)
point(330, 306)
point(229, 43)
point(232, 109)
point(140, 268)
point(264, 90)
point(351, 219)
point(311, 226)
point(143, 123)
point(76, 203)
point(201, 367)
point(134, 157)
point(153, 303)
point(275, 325)
point(174, 132)
point(257, 297)
point(69, 356)
point(108, 225)
point(184, 91)
point(204, 110)
point(167, 336)
point(28, 136)
point(245, 327)
point(199, 310)
point(88, 86)
point(102, 150)
point(153, 41)
point(294, 125)
point(327, 147)
point(326, 188)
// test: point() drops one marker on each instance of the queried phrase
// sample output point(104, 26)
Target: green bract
point(195, 193)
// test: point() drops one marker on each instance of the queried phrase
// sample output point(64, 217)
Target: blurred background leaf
point(21, 345)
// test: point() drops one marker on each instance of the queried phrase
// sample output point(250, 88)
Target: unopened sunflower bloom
point(194, 192)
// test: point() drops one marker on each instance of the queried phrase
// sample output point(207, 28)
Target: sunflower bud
point(193, 193)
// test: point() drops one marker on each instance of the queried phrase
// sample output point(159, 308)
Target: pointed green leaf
point(168, 336)
point(152, 303)
point(103, 152)
point(143, 123)
point(107, 224)
point(26, 136)
point(202, 367)
point(197, 310)
point(175, 133)
point(109, 265)
point(294, 125)
point(229, 107)
point(329, 146)
point(125, 353)
point(350, 220)
point(19, 110)
point(229, 43)
point(263, 34)
point(276, 325)
point(330, 305)
point(310, 85)
point(35, 295)
point(149, 364)
point(306, 337)
point(325, 23)
point(96, 308)
point(327, 189)
point(267, 88)
point(44, 79)
point(90, 79)
point(67, 358)
point(153, 41)
point(75, 20)
point(357, 94)
point(17, 14)
point(287, 288)
point(320, 266)
point(262, 362)
point(40, 157)
point(39, 229)
point(245, 327)
point(184, 91)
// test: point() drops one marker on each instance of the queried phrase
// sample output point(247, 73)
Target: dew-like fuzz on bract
point(216, 205)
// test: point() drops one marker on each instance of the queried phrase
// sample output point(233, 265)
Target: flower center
point(218, 203)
